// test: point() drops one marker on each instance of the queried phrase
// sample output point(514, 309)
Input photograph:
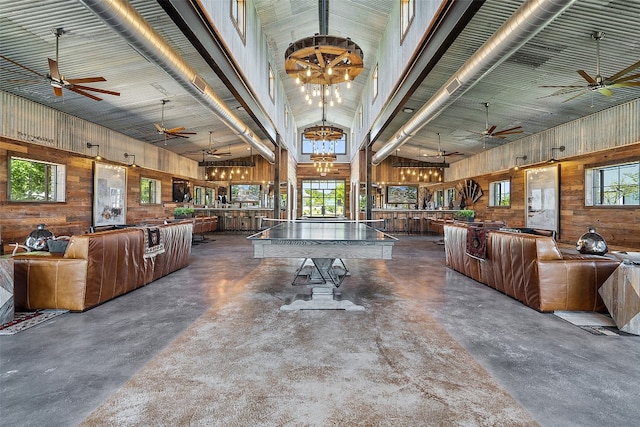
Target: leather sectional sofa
point(532, 269)
point(97, 267)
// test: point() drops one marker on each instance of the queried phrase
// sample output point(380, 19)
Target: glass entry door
point(322, 198)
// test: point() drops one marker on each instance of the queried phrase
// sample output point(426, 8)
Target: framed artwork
point(543, 197)
point(402, 194)
point(109, 194)
point(245, 193)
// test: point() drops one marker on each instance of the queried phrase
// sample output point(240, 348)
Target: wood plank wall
point(619, 225)
point(74, 216)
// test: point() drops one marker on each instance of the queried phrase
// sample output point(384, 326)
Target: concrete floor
point(56, 374)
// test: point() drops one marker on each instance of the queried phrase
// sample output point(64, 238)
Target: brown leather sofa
point(532, 269)
point(97, 267)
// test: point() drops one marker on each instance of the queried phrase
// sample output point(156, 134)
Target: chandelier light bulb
point(331, 102)
point(326, 91)
point(348, 85)
point(310, 102)
point(307, 97)
point(308, 72)
point(346, 76)
point(302, 89)
point(329, 70)
point(297, 80)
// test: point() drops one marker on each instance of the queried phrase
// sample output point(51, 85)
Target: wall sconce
point(90, 145)
point(561, 149)
point(523, 158)
point(133, 164)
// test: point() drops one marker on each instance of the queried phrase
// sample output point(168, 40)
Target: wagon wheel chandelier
point(320, 63)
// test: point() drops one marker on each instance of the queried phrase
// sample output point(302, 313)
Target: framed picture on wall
point(109, 194)
point(543, 197)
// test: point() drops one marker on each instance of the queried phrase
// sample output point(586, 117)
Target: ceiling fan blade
point(516, 129)
point(57, 91)
point(21, 66)
point(53, 70)
point(565, 86)
point(587, 77)
point(491, 129)
point(626, 79)
point(455, 153)
point(159, 128)
point(81, 92)
point(623, 84)
point(94, 89)
point(175, 134)
point(185, 133)
point(625, 71)
point(173, 130)
point(87, 80)
point(574, 96)
point(606, 91)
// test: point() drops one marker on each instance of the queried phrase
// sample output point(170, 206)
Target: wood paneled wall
point(74, 216)
point(386, 173)
point(619, 225)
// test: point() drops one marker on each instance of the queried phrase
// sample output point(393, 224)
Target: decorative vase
point(37, 239)
point(592, 243)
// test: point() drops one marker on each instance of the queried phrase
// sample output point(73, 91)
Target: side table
point(621, 295)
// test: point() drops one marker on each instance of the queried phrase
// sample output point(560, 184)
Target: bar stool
point(244, 223)
point(415, 224)
point(229, 222)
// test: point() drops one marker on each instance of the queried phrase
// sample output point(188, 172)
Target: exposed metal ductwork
point(127, 22)
point(523, 25)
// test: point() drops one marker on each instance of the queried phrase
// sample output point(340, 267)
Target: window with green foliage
point(323, 198)
point(613, 185)
point(36, 181)
point(439, 198)
point(500, 193)
point(149, 191)
point(450, 197)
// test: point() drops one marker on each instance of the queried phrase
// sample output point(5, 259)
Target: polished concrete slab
point(60, 372)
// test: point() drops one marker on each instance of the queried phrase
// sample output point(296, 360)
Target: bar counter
point(237, 219)
point(412, 220)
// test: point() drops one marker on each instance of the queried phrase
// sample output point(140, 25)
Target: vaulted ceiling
point(513, 90)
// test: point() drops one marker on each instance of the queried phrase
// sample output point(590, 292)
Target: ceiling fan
point(490, 132)
point(176, 132)
point(599, 83)
point(59, 82)
point(442, 154)
point(213, 152)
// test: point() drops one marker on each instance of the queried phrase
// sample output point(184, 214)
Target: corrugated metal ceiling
point(513, 89)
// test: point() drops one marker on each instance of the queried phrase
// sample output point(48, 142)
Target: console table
point(621, 295)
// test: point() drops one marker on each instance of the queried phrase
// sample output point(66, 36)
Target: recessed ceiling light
point(407, 110)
